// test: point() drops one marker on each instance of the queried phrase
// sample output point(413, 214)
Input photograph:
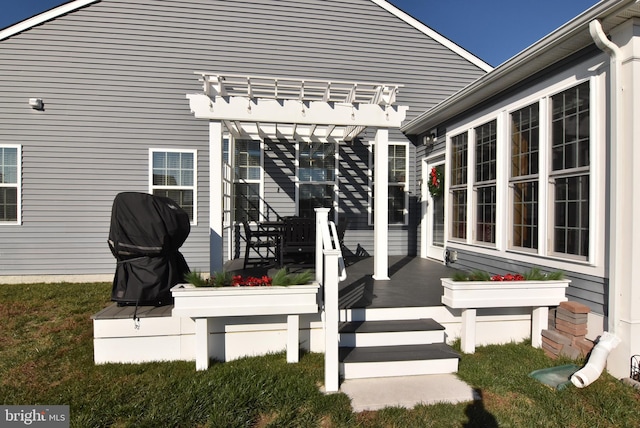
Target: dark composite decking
point(413, 281)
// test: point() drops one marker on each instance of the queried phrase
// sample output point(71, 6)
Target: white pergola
point(261, 107)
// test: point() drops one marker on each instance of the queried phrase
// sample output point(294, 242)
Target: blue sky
point(494, 30)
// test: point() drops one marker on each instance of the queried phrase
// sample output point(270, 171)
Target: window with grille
point(524, 179)
point(173, 175)
point(397, 194)
point(458, 186)
point(570, 164)
point(10, 184)
point(247, 180)
point(485, 182)
point(316, 177)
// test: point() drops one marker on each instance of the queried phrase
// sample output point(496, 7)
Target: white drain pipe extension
point(592, 371)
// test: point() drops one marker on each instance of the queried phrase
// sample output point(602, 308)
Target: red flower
point(497, 278)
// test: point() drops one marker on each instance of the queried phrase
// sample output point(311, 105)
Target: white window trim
point(298, 182)
point(405, 221)
point(542, 93)
point(18, 186)
point(194, 188)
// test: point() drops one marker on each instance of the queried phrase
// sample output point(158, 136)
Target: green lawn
point(46, 357)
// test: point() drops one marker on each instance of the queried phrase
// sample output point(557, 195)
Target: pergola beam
point(293, 111)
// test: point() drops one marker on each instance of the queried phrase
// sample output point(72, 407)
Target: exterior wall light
point(36, 103)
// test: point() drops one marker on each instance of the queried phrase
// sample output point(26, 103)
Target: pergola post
point(381, 205)
point(216, 191)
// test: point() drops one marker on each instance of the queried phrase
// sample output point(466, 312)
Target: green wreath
point(436, 182)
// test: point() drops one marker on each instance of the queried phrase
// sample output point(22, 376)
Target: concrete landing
point(406, 391)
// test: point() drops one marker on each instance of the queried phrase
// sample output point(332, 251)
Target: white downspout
point(614, 52)
point(598, 358)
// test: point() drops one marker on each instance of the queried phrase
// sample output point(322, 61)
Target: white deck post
point(202, 343)
point(293, 334)
point(331, 355)
point(216, 190)
point(468, 331)
point(539, 322)
point(322, 219)
point(381, 206)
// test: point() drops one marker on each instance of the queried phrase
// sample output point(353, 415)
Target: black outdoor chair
point(298, 238)
point(260, 246)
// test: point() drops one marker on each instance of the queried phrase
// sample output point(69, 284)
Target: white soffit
point(298, 109)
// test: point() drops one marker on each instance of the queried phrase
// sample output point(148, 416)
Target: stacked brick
point(567, 330)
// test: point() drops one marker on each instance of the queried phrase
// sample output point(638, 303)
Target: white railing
point(330, 270)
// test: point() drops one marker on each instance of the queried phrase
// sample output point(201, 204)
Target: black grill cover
point(145, 234)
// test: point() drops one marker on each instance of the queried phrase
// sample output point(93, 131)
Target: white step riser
point(384, 314)
point(398, 368)
point(391, 338)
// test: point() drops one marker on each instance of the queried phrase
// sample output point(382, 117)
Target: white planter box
point(203, 302)
point(503, 294)
point(471, 295)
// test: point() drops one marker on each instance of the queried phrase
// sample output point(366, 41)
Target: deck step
point(407, 360)
point(390, 333)
point(390, 326)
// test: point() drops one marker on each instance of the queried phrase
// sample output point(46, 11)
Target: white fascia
point(43, 17)
point(434, 35)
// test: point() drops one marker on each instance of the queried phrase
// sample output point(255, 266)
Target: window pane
point(175, 170)
point(8, 165)
point(8, 204)
point(396, 205)
point(572, 215)
point(570, 128)
point(525, 215)
point(459, 159)
point(486, 152)
point(314, 196)
point(459, 214)
point(247, 201)
point(184, 198)
point(317, 162)
point(524, 141)
point(437, 227)
point(247, 159)
point(486, 215)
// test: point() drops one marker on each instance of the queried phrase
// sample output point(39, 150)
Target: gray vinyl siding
point(114, 74)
